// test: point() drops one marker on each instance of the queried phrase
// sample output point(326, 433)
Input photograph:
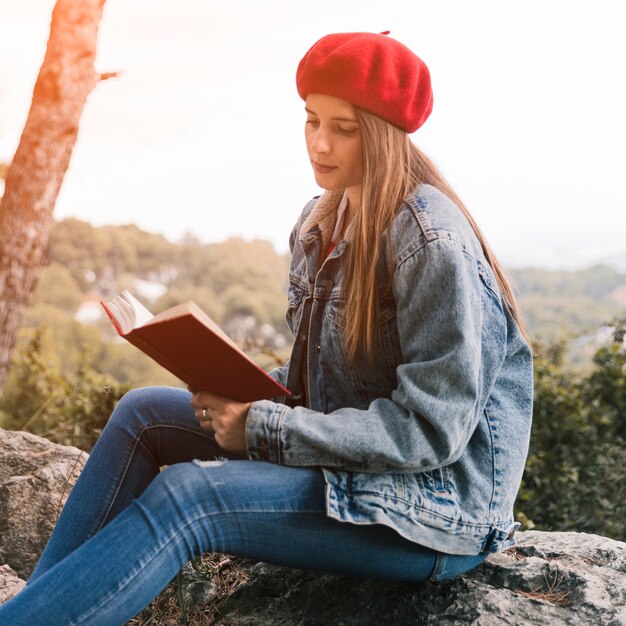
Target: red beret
point(373, 72)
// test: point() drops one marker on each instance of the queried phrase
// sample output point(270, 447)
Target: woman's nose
point(320, 143)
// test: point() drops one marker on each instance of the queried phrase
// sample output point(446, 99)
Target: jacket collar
point(324, 215)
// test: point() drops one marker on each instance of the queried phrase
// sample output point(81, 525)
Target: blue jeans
point(128, 528)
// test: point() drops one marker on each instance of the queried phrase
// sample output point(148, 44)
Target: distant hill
point(233, 277)
point(238, 277)
point(560, 304)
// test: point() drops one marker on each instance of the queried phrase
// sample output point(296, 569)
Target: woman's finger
point(199, 402)
point(204, 419)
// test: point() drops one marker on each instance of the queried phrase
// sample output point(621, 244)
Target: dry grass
point(550, 592)
point(217, 573)
point(560, 598)
point(516, 554)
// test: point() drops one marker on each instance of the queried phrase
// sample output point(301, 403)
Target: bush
point(71, 410)
point(576, 469)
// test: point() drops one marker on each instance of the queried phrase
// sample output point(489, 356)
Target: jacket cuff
point(263, 431)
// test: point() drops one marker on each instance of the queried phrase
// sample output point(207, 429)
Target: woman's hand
point(223, 416)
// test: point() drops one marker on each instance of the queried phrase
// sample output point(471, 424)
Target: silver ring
point(204, 413)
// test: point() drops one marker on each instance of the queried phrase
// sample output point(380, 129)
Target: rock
point(548, 578)
point(10, 583)
point(197, 587)
point(35, 479)
point(199, 593)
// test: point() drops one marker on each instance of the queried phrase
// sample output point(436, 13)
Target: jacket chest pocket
point(296, 294)
point(374, 380)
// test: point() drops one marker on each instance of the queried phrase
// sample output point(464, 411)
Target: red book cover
point(189, 344)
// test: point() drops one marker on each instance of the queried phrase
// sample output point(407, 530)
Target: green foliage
point(129, 366)
point(203, 296)
point(130, 249)
point(551, 316)
point(226, 279)
point(96, 256)
point(596, 281)
point(248, 278)
point(606, 389)
point(239, 301)
point(57, 287)
point(71, 410)
point(576, 471)
point(80, 248)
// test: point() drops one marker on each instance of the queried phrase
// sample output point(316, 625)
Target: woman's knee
point(146, 406)
point(202, 488)
point(181, 492)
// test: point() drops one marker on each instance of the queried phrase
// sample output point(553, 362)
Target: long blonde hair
point(392, 167)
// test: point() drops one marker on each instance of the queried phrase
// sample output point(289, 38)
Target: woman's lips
point(323, 169)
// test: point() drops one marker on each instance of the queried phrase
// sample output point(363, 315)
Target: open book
point(188, 343)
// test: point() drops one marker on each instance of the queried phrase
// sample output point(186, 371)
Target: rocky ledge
point(35, 478)
point(547, 578)
point(10, 583)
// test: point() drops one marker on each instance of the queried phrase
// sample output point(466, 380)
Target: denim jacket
point(432, 438)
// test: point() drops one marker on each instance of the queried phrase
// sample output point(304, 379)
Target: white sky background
point(203, 131)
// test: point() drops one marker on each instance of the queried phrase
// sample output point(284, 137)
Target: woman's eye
point(313, 122)
point(348, 131)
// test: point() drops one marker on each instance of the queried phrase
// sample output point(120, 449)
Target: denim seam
point(409, 254)
point(439, 567)
point(298, 282)
point(493, 461)
point(420, 217)
point(110, 499)
point(280, 444)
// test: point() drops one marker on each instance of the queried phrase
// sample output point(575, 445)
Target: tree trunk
point(35, 175)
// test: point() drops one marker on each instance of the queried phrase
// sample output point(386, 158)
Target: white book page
point(128, 311)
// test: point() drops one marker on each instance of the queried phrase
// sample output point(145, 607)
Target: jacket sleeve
point(279, 374)
point(430, 416)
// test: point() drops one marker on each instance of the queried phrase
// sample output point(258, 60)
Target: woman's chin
point(327, 185)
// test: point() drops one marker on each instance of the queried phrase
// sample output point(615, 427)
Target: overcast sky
point(203, 130)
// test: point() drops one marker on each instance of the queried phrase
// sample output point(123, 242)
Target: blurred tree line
point(561, 303)
point(67, 376)
point(236, 277)
point(227, 279)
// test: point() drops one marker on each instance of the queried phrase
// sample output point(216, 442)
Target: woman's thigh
point(277, 514)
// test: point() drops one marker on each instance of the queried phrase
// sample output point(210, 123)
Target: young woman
point(399, 453)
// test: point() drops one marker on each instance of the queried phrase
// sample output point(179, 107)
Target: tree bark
point(34, 179)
